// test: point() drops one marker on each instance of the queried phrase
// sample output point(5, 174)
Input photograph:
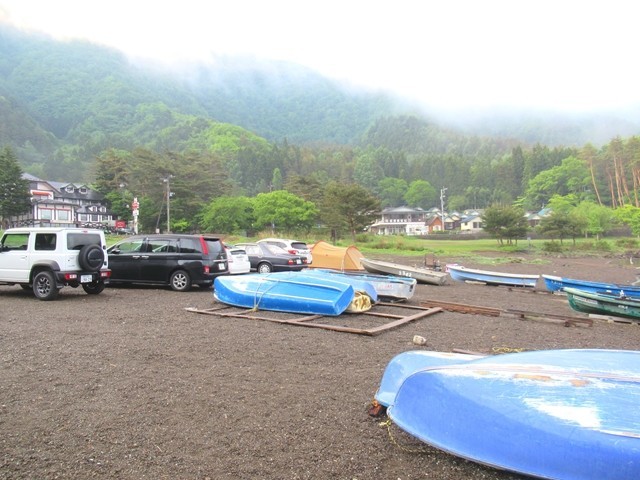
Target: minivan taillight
point(204, 246)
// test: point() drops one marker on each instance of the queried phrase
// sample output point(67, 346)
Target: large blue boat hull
point(560, 414)
point(290, 292)
point(408, 363)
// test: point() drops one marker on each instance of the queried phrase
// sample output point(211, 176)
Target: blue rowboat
point(559, 414)
point(556, 284)
point(388, 287)
point(407, 363)
point(603, 303)
point(285, 292)
point(464, 274)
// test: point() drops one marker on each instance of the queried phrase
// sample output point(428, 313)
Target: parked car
point(293, 247)
point(238, 260)
point(178, 261)
point(266, 258)
point(45, 259)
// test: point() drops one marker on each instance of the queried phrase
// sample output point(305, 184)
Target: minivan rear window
point(189, 245)
point(214, 245)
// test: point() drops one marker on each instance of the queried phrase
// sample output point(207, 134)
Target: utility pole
point(167, 180)
point(442, 197)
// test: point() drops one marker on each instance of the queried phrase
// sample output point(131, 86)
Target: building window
point(69, 188)
point(46, 214)
point(83, 190)
point(63, 215)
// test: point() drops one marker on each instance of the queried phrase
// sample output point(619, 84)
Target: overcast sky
point(559, 54)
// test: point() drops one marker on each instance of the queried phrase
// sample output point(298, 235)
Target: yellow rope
point(507, 350)
point(387, 423)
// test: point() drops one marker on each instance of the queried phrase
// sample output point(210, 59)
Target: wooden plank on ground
point(397, 320)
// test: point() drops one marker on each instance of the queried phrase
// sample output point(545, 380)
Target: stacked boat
point(317, 291)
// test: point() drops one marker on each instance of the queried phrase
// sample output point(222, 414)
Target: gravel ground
point(130, 385)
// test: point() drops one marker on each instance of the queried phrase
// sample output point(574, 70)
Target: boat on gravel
point(292, 292)
point(488, 277)
point(554, 414)
point(421, 274)
point(603, 303)
point(387, 287)
point(558, 284)
point(407, 363)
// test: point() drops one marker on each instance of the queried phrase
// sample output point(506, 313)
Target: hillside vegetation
point(76, 111)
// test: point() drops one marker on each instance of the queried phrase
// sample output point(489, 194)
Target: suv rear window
point(75, 241)
point(299, 245)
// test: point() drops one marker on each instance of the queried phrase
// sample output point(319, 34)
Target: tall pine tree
point(14, 190)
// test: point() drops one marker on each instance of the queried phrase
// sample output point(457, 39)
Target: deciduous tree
point(348, 207)
point(505, 222)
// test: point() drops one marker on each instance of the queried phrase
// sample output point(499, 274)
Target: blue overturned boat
point(555, 414)
point(386, 287)
point(558, 284)
point(292, 292)
point(488, 277)
point(407, 363)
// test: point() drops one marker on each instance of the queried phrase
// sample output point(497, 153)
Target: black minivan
point(177, 260)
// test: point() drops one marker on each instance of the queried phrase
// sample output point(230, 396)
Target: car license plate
point(221, 266)
point(86, 278)
point(298, 261)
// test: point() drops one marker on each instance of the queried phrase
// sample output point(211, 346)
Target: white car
point(238, 261)
point(45, 259)
point(293, 247)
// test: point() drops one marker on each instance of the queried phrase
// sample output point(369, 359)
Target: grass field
point(481, 250)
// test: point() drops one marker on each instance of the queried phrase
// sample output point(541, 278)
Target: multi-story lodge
point(62, 204)
point(401, 221)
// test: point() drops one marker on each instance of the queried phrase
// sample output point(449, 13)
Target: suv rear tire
point(93, 288)
point(44, 286)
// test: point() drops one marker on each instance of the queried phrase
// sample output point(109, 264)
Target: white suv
point(44, 259)
point(293, 247)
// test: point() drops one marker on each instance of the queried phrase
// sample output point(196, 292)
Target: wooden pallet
point(396, 319)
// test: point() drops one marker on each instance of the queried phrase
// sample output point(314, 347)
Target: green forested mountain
point(87, 98)
point(239, 127)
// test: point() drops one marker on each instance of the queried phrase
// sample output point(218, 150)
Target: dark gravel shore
point(130, 385)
